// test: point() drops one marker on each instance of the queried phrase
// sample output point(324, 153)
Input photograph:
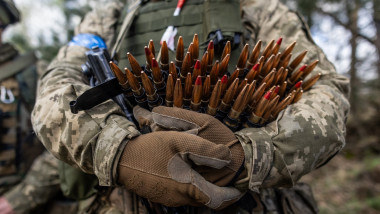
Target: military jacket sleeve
point(308, 133)
point(93, 139)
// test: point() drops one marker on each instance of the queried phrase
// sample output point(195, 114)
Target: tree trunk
point(352, 14)
point(376, 20)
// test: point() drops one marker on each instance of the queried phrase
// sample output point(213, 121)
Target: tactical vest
point(197, 16)
point(18, 146)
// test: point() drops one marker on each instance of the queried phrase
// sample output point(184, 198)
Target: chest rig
point(218, 20)
point(18, 147)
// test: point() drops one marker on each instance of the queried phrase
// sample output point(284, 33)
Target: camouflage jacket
point(303, 137)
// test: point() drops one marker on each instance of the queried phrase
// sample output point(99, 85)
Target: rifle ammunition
point(210, 51)
point(275, 91)
point(271, 106)
point(153, 98)
point(282, 90)
point(242, 84)
point(267, 67)
point(134, 83)
point(260, 108)
point(255, 98)
point(252, 73)
point(148, 86)
point(136, 68)
point(226, 50)
point(123, 81)
point(206, 91)
point(254, 55)
point(178, 94)
point(309, 69)
point(164, 61)
point(214, 99)
point(242, 59)
point(149, 56)
point(268, 50)
point(280, 106)
point(169, 91)
point(284, 63)
point(186, 66)
point(173, 71)
point(269, 78)
point(278, 76)
point(239, 105)
point(297, 61)
point(224, 65)
point(309, 83)
point(196, 71)
point(287, 51)
point(197, 94)
point(224, 81)
point(297, 95)
point(232, 78)
point(296, 86)
point(214, 72)
point(188, 90)
point(296, 75)
point(228, 97)
point(195, 53)
point(276, 60)
point(157, 76)
point(151, 48)
point(190, 49)
point(277, 46)
point(204, 65)
point(179, 52)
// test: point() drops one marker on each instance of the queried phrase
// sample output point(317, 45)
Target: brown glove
point(158, 166)
point(202, 125)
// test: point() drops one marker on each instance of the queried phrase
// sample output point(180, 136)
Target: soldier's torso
point(18, 146)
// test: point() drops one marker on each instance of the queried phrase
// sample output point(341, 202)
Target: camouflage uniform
point(303, 137)
point(28, 177)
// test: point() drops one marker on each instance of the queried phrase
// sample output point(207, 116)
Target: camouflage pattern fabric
point(304, 136)
point(40, 185)
point(25, 183)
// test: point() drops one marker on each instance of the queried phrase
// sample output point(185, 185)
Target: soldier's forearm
point(90, 139)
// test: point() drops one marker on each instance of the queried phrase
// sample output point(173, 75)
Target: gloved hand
point(203, 125)
point(158, 166)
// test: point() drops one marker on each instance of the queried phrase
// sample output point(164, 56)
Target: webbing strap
point(127, 22)
point(18, 64)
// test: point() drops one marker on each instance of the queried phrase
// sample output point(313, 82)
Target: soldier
point(194, 169)
point(23, 186)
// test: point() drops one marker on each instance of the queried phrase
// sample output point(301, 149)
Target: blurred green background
point(349, 33)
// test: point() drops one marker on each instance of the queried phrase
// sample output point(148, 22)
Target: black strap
point(96, 95)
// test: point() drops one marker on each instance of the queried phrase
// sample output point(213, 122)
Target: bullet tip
point(197, 65)
point(224, 79)
point(279, 41)
point(303, 68)
point(154, 63)
point(147, 51)
point(211, 45)
point(198, 81)
point(255, 67)
point(298, 84)
point(267, 95)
